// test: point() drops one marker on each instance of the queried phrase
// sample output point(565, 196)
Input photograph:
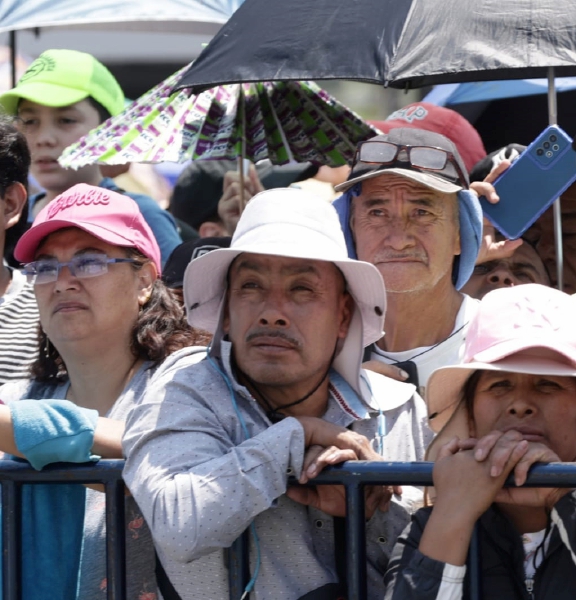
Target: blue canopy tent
point(458, 93)
point(509, 110)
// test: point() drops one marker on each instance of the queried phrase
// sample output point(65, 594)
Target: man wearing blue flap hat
point(408, 210)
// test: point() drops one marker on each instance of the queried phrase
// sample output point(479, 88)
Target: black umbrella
point(398, 43)
point(392, 42)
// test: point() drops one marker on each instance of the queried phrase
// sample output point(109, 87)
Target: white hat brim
point(205, 286)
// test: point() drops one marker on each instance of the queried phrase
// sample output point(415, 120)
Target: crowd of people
point(251, 335)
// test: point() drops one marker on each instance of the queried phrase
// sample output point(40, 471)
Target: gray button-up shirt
point(204, 462)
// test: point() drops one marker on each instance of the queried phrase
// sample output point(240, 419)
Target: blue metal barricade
point(353, 475)
point(14, 474)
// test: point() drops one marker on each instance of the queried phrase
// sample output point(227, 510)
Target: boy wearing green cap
point(61, 97)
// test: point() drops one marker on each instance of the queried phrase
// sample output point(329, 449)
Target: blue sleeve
point(162, 224)
point(48, 431)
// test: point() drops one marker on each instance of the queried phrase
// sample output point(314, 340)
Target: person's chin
point(404, 283)
point(53, 180)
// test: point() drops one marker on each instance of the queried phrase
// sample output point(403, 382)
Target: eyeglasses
point(425, 158)
point(81, 266)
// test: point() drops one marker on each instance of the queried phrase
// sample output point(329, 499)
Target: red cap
point(423, 115)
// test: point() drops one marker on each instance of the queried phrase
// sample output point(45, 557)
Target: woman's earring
point(145, 301)
point(47, 347)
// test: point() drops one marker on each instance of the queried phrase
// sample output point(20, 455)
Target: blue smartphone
point(534, 180)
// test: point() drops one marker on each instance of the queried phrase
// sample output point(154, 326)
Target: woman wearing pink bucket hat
point(512, 403)
point(106, 323)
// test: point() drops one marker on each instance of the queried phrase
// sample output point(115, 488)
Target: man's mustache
point(272, 333)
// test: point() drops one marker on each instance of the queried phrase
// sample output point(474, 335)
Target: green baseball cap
point(63, 77)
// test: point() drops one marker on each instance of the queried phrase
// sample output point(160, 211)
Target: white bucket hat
point(524, 329)
point(292, 223)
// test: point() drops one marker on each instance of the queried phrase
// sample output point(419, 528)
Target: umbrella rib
point(282, 134)
point(343, 137)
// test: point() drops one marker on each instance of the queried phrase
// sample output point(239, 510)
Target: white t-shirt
point(428, 358)
point(535, 548)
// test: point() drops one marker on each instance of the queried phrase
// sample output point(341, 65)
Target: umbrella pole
point(241, 158)
point(553, 120)
point(13, 58)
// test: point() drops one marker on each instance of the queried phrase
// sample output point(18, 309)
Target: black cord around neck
point(272, 413)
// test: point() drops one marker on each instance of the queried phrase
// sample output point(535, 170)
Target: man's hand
point(331, 499)
point(490, 248)
point(232, 203)
point(329, 444)
point(318, 432)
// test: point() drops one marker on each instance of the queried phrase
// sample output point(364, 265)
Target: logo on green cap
point(42, 63)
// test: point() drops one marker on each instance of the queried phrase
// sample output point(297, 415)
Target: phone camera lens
point(546, 145)
point(553, 138)
point(555, 147)
point(548, 154)
point(539, 152)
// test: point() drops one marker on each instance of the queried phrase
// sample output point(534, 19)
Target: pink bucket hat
point(523, 329)
point(111, 217)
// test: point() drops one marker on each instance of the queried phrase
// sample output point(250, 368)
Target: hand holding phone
point(533, 182)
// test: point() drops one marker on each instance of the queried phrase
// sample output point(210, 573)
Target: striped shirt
point(18, 329)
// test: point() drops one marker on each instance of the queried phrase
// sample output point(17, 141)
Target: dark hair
point(469, 391)
point(14, 166)
point(160, 330)
point(103, 114)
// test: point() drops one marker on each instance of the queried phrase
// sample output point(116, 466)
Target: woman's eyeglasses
point(81, 266)
point(425, 158)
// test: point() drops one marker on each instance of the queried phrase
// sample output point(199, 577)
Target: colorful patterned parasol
point(281, 121)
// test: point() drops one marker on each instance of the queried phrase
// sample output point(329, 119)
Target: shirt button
point(382, 540)
point(319, 523)
point(289, 471)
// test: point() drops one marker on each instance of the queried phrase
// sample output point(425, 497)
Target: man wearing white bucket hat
point(512, 403)
point(211, 446)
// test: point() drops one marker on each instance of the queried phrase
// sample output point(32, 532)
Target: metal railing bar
point(473, 563)
point(355, 543)
point(420, 474)
point(115, 540)
point(11, 555)
point(100, 472)
point(15, 473)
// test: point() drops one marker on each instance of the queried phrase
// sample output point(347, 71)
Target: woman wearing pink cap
point(512, 403)
point(107, 321)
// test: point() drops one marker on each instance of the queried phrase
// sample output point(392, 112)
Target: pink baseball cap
point(423, 115)
point(523, 329)
point(111, 217)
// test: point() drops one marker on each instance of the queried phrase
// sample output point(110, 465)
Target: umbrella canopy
point(409, 43)
point(283, 121)
point(188, 16)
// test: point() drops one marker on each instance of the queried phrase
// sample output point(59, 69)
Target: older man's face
point(284, 317)
point(408, 231)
